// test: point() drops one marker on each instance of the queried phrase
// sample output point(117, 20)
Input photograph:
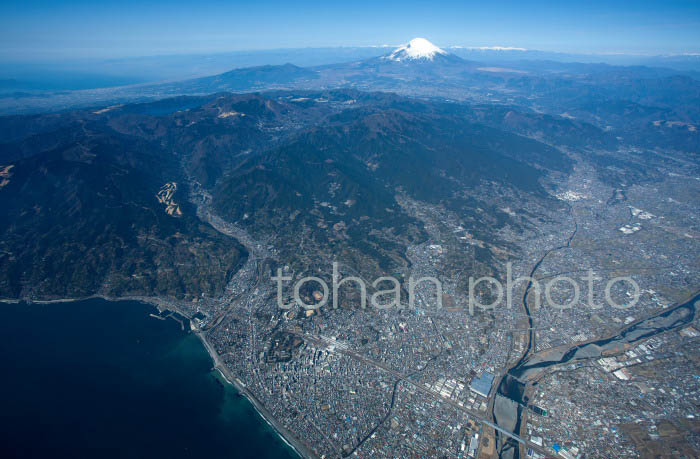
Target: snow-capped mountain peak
point(418, 48)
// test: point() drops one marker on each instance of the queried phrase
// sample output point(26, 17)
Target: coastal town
point(382, 252)
point(424, 381)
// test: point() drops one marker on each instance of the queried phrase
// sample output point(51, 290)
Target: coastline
point(284, 433)
point(162, 304)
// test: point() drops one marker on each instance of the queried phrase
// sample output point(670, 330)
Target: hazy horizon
point(40, 30)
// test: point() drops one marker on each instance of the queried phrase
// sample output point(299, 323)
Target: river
point(511, 400)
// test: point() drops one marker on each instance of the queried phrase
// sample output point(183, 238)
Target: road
point(334, 346)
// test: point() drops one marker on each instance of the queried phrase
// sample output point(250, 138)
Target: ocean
point(103, 379)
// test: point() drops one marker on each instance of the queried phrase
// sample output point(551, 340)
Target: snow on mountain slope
point(418, 48)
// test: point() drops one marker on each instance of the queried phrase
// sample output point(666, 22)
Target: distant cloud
point(490, 48)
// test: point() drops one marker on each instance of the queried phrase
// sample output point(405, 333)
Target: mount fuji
point(417, 62)
point(418, 48)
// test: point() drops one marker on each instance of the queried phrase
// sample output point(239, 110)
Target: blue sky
point(32, 29)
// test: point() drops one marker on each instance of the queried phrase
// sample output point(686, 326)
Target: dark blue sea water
point(100, 379)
